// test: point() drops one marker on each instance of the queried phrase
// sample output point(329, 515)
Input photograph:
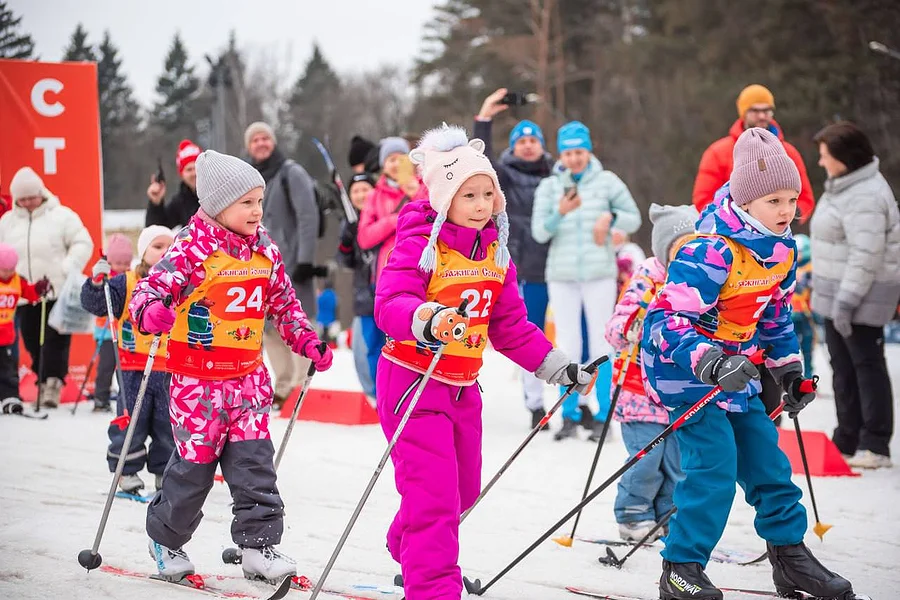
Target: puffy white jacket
point(51, 241)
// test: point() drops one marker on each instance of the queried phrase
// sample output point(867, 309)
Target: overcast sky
point(353, 34)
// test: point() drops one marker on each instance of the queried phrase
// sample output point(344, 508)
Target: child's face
point(157, 249)
point(358, 194)
point(7, 274)
point(244, 216)
point(120, 266)
point(473, 203)
point(775, 211)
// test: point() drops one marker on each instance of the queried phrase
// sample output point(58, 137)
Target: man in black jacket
point(182, 206)
point(520, 168)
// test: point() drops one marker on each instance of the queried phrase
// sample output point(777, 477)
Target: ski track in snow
point(53, 480)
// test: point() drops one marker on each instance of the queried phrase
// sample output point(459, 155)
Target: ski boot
point(866, 459)
point(587, 418)
point(569, 429)
point(173, 565)
point(635, 531)
point(795, 569)
point(267, 564)
point(536, 416)
point(101, 405)
point(51, 391)
point(686, 581)
point(131, 484)
point(598, 431)
point(11, 406)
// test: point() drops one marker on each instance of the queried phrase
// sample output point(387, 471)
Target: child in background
point(13, 287)
point(448, 250)
point(628, 256)
point(326, 316)
point(224, 276)
point(802, 315)
point(119, 255)
point(153, 421)
point(645, 491)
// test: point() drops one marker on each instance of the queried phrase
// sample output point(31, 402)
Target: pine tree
point(78, 48)
point(177, 88)
point(13, 43)
point(117, 106)
point(312, 105)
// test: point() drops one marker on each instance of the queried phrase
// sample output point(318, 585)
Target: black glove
point(798, 392)
point(731, 373)
point(306, 271)
point(348, 234)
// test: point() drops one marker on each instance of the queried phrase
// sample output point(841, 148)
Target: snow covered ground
point(53, 479)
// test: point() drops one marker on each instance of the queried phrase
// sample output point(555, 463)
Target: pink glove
point(318, 352)
point(157, 317)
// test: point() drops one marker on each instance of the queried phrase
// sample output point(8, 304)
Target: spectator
point(755, 108)
point(176, 212)
point(574, 210)
point(520, 169)
point(291, 216)
point(51, 242)
point(363, 156)
point(856, 285)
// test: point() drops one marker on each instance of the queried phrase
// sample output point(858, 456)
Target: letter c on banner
point(38, 93)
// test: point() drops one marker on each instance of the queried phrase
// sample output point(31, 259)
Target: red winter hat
point(187, 153)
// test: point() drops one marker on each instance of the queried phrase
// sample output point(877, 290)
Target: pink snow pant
point(437, 470)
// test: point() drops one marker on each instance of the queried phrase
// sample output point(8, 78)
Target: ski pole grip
point(759, 357)
point(808, 386)
point(596, 364)
point(463, 306)
point(167, 301)
point(321, 347)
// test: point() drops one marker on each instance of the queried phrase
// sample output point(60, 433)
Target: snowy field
point(53, 479)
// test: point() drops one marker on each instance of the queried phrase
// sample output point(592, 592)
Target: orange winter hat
point(753, 94)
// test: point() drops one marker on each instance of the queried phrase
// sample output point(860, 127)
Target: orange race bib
point(10, 292)
point(134, 346)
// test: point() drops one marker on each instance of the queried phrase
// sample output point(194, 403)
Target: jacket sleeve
point(628, 307)
point(709, 179)
point(303, 200)
point(692, 287)
point(176, 274)
point(545, 216)
point(374, 229)
point(77, 241)
point(401, 288)
point(159, 214)
point(483, 131)
point(776, 328)
point(806, 202)
point(93, 299)
point(27, 291)
point(511, 333)
point(627, 214)
point(283, 309)
point(346, 252)
point(866, 243)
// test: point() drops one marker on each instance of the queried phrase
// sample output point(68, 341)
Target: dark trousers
point(106, 370)
point(56, 345)
point(152, 423)
point(9, 372)
point(862, 390)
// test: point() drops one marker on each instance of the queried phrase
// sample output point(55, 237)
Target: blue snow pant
point(601, 387)
point(719, 449)
point(803, 327)
point(374, 343)
point(360, 357)
point(153, 422)
point(645, 490)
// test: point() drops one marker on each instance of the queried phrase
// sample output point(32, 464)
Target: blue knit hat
point(574, 134)
point(525, 128)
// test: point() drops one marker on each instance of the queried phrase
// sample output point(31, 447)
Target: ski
point(600, 595)
point(194, 582)
point(305, 584)
point(726, 556)
point(750, 592)
point(799, 595)
point(133, 497)
point(349, 211)
point(28, 415)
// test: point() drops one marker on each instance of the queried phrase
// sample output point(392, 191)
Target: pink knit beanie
point(761, 167)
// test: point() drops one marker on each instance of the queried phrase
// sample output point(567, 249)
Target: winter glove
point(434, 322)
point(634, 331)
point(348, 234)
point(306, 271)
point(101, 271)
point(157, 317)
point(842, 319)
point(556, 369)
point(318, 352)
point(42, 286)
point(731, 373)
point(798, 392)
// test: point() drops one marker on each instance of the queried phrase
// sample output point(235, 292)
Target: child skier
point(448, 250)
point(727, 294)
point(802, 315)
point(153, 421)
point(224, 276)
point(13, 287)
point(645, 491)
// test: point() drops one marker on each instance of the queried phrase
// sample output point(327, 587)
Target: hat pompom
point(428, 261)
point(443, 138)
point(502, 257)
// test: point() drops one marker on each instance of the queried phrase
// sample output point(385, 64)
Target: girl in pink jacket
point(448, 249)
point(224, 276)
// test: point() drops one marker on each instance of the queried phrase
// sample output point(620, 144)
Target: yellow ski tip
point(820, 529)
point(563, 540)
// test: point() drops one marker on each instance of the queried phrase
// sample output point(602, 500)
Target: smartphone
point(406, 171)
point(570, 192)
point(160, 174)
point(519, 98)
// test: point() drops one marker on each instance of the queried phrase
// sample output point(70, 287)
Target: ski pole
point(90, 558)
point(757, 358)
point(37, 402)
point(614, 561)
point(110, 322)
point(300, 399)
point(382, 462)
point(567, 541)
point(591, 368)
point(820, 528)
point(349, 210)
point(87, 376)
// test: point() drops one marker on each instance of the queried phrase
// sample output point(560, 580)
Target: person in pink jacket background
point(448, 249)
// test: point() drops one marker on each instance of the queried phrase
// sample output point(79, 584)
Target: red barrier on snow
point(331, 406)
point(69, 393)
point(824, 458)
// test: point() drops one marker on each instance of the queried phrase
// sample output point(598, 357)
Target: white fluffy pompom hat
point(447, 158)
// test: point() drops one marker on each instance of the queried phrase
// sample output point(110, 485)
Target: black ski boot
point(795, 569)
point(587, 418)
point(686, 581)
point(569, 429)
point(536, 416)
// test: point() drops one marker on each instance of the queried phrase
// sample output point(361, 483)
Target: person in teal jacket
point(575, 209)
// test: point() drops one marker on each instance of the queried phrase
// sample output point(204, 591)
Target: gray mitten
point(731, 373)
point(843, 319)
point(556, 369)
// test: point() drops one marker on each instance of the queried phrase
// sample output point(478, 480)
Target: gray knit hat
point(258, 127)
point(222, 179)
point(391, 145)
point(669, 224)
point(761, 167)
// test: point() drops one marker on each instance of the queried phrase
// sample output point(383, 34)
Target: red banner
point(50, 121)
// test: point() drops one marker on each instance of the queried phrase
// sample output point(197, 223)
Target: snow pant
point(803, 327)
point(360, 359)
point(862, 390)
point(597, 299)
point(152, 422)
point(223, 423)
point(56, 345)
point(719, 449)
point(645, 490)
point(106, 370)
point(437, 471)
point(289, 369)
point(535, 297)
point(374, 343)
point(9, 372)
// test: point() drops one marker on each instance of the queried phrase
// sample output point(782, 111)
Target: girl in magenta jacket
point(448, 249)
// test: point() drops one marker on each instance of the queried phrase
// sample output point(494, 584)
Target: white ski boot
point(267, 564)
point(866, 459)
point(51, 391)
point(173, 565)
point(636, 530)
point(131, 484)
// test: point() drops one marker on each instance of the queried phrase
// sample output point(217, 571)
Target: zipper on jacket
point(406, 394)
point(475, 245)
point(459, 394)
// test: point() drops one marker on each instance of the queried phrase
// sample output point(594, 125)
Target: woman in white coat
point(51, 241)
